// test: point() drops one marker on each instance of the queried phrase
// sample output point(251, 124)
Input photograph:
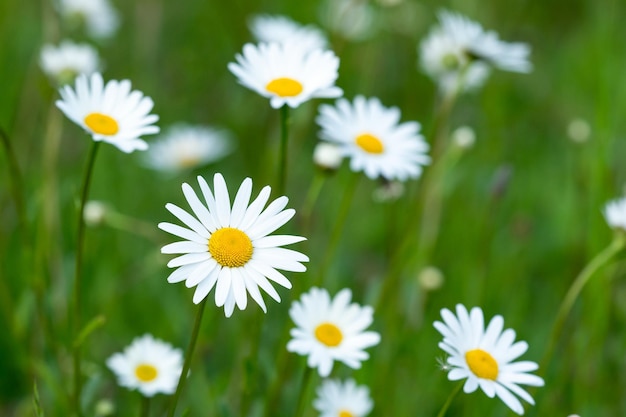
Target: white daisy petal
point(336, 398)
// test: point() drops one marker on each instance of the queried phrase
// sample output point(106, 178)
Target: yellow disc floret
point(482, 364)
point(344, 413)
point(230, 247)
point(369, 143)
point(328, 334)
point(101, 124)
point(284, 87)
point(145, 372)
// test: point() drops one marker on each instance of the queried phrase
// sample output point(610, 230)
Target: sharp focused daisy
point(287, 73)
point(149, 365)
point(111, 113)
point(281, 29)
point(98, 16)
point(343, 399)
point(615, 214)
point(484, 357)
point(374, 140)
point(64, 62)
point(185, 146)
point(331, 330)
point(229, 247)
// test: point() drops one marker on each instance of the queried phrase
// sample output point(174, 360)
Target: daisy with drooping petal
point(148, 365)
point(372, 136)
point(615, 213)
point(287, 73)
point(343, 399)
point(484, 357)
point(111, 113)
point(281, 29)
point(331, 330)
point(184, 146)
point(66, 61)
point(229, 247)
point(99, 17)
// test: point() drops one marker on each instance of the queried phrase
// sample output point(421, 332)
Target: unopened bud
point(430, 278)
point(464, 137)
point(95, 212)
point(327, 156)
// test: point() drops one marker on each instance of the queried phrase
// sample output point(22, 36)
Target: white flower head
point(352, 20)
point(327, 155)
point(372, 136)
point(331, 330)
point(615, 214)
point(66, 61)
point(111, 113)
point(229, 247)
point(281, 29)
point(287, 73)
point(184, 146)
point(99, 17)
point(148, 365)
point(343, 399)
point(484, 357)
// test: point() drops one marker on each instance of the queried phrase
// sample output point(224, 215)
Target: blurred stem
point(188, 356)
point(76, 315)
point(16, 178)
point(131, 224)
point(145, 406)
point(311, 198)
point(284, 135)
point(304, 389)
point(453, 394)
point(601, 259)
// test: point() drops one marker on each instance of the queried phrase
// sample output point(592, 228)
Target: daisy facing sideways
point(287, 73)
point(230, 247)
point(615, 213)
point(331, 330)
point(148, 365)
point(484, 357)
point(372, 136)
point(64, 62)
point(343, 399)
point(111, 113)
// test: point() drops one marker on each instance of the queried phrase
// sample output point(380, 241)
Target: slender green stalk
point(76, 313)
point(145, 406)
point(311, 198)
point(187, 364)
point(16, 178)
point(304, 389)
point(284, 135)
point(453, 394)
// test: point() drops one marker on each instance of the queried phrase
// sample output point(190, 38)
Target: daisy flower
point(110, 113)
point(287, 73)
point(149, 365)
point(374, 140)
point(484, 357)
point(330, 330)
point(281, 29)
point(64, 62)
point(99, 17)
point(615, 214)
point(343, 399)
point(184, 146)
point(229, 247)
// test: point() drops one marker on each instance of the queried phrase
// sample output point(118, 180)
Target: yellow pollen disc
point(344, 413)
point(284, 87)
point(230, 247)
point(188, 161)
point(328, 334)
point(369, 143)
point(102, 124)
point(482, 364)
point(145, 372)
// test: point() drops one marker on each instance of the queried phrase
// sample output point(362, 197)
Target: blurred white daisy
point(149, 365)
point(184, 146)
point(327, 156)
point(615, 214)
point(372, 136)
point(64, 62)
point(287, 73)
point(459, 53)
point(352, 20)
point(228, 247)
point(485, 356)
point(343, 399)
point(331, 330)
point(99, 17)
point(111, 113)
point(281, 29)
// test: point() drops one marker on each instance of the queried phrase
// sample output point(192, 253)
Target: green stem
point(76, 347)
point(311, 198)
point(186, 365)
point(446, 405)
point(304, 388)
point(16, 178)
point(284, 135)
point(145, 406)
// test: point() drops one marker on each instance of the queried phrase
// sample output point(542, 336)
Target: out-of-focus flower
point(615, 214)
point(99, 17)
point(281, 29)
point(104, 408)
point(352, 20)
point(327, 155)
point(95, 212)
point(579, 130)
point(388, 191)
point(464, 137)
point(343, 399)
point(430, 278)
point(65, 62)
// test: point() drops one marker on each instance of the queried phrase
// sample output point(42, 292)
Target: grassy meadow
point(509, 222)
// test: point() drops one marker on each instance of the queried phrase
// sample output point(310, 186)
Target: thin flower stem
point(304, 388)
point(186, 365)
point(145, 406)
point(446, 405)
point(284, 135)
point(311, 198)
point(76, 313)
point(16, 178)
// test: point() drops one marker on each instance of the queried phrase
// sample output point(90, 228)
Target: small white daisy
point(66, 61)
point(485, 356)
point(352, 20)
point(343, 399)
point(228, 247)
point(287, 73)
point(281, 29)
point(331, 330)
point(99, 17)
point(111, 113)
point(149, 365)
point(372, 136)
point(184, 146)
point(615, 214)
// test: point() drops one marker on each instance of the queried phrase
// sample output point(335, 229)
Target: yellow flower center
point(482, 364)
point(188, 161)
point(284, 87)
point(145, 372)
point(344, 413)
point(369, 143)
point(102, 124)
point(328, 334)
point(230, 247)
